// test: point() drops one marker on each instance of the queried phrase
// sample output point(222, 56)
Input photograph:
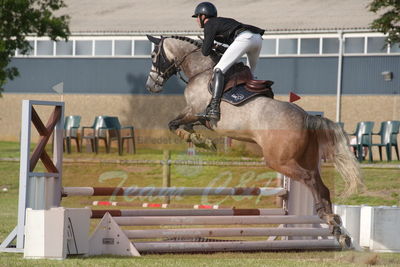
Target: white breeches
point(245, 43)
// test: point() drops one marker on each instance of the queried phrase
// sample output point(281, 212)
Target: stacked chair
point(71, 128)
point(388, 138)
point(93, 133)
point(387, 134)
point(363, 134)
point(105, 128)
point(112, 131)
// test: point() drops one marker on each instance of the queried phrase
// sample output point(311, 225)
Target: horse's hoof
point(211, 145)
point(200, 141)
point(334, 219)
point(336, 231)
point(344, 241)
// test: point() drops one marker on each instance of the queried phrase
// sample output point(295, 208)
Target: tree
point(20, 18)
point(389, 21)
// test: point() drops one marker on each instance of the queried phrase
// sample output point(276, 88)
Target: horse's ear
point(153, 39)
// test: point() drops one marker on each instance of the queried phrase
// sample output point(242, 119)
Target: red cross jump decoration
point(45, 133)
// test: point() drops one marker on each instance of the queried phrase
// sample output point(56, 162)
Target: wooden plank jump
point(173, 191)
point(188, 212)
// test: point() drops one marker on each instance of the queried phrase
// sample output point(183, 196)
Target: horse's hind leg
point(321, 194)
point(323, 207)
point(312, 179)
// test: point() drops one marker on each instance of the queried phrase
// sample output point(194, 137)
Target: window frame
point(276, 36)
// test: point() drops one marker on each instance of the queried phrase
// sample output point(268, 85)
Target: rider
point(241, 38)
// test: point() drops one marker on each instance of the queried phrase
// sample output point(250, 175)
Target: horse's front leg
point(187, 133)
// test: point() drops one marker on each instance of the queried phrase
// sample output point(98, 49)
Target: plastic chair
point(93, 134)
point(71, 126)
point(388, 135)
point(120, 134)
point(363, 134)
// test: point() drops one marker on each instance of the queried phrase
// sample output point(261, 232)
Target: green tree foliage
point(389, 19)
point(20, 18)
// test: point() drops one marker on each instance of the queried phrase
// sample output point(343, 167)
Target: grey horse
point(292, 141)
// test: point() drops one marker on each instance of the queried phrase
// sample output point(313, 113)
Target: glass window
point(268, 47)
point(330, 45)
point(83, 48)
point(309, 46)
point(30, 51)
point(123, 48)
point(287, 46)
point(376, 45)
point(142, 47)
point(103, 48)
point(395, 48)
point(64, 48)
point(354, 45)
point(44, 48)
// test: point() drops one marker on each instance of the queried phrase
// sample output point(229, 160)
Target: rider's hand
point(219, 48)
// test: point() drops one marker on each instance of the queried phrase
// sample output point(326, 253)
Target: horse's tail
point(333, 143)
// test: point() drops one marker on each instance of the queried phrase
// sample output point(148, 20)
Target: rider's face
point(199, 17)
point(198, 21)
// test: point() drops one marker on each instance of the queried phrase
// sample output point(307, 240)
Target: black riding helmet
point(205, 8)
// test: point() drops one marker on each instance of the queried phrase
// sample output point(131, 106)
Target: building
point(323, 51)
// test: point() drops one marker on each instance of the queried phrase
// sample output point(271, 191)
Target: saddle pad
point(239, 95)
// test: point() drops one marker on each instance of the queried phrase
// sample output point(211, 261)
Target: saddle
point(240, 86)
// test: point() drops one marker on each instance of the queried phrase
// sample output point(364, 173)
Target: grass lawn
point(383, 187)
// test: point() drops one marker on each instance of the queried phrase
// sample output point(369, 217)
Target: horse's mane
point(214, 56)
point(187, 39)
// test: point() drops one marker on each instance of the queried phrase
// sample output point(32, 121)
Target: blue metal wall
point(363, 75)
point(85, 76)
point(303, 75)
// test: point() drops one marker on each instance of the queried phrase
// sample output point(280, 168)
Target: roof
point(174, 16)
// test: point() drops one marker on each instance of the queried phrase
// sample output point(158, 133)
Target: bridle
point(164, 67)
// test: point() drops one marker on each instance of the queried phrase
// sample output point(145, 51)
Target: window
point(281, 45)
point(83, 48)
point(123, 48)
point(103, 48)
point(309, 46)
point(30, 52)
point(376, 45)
point(395, 48)
point(354, 45)
point(64, 48)
point(330, 45)
point(142, 47)
point(268, 47)
point(44, 48)
point(287, 46)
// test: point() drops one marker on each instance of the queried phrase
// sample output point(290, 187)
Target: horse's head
point(162, 68)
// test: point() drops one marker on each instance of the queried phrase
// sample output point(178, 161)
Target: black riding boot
point(212, 111)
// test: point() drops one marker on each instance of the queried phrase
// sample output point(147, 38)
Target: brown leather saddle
point(240, 86)
point(240, 74)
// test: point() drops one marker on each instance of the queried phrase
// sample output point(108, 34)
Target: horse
point(292, 141)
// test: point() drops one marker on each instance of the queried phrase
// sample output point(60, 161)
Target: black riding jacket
point(223, 30)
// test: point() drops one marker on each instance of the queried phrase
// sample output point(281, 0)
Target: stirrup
point(209, 116)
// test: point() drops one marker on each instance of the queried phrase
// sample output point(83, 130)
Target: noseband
point(164, 67)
